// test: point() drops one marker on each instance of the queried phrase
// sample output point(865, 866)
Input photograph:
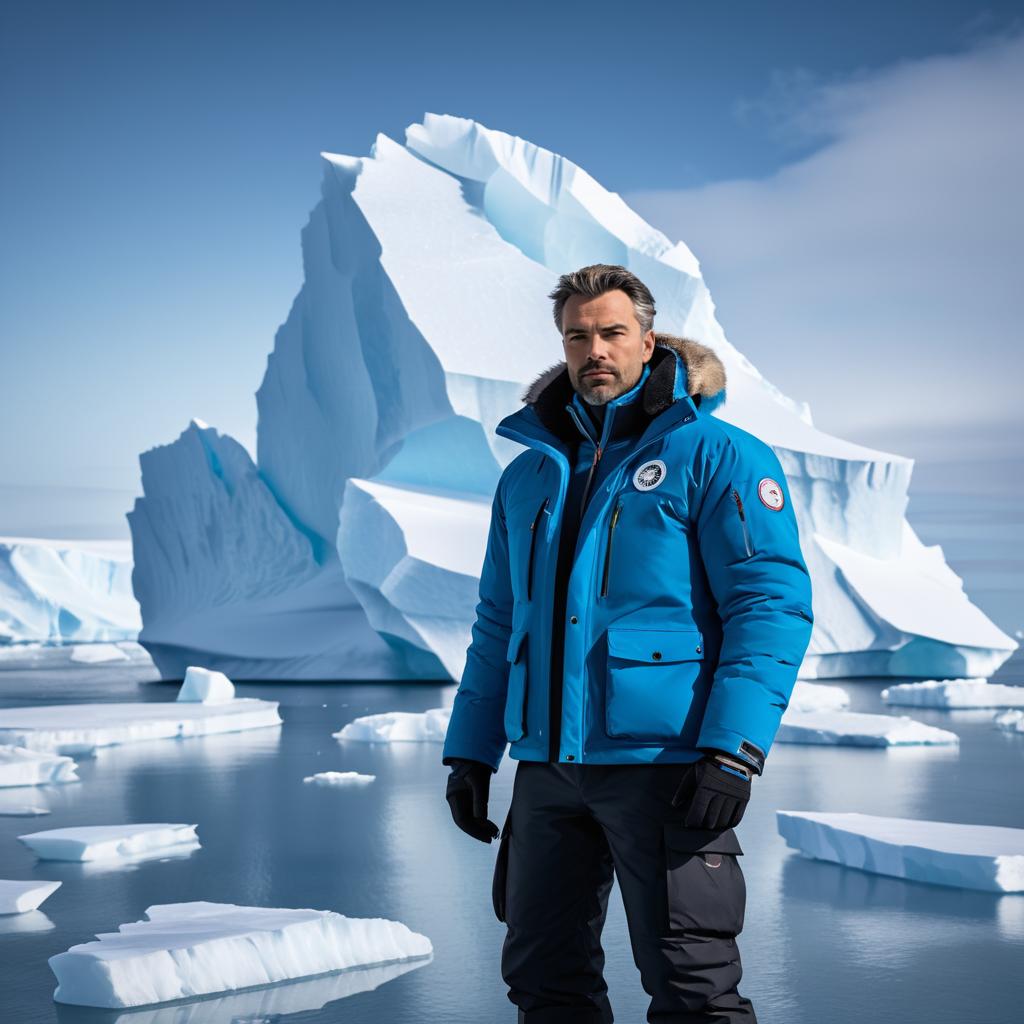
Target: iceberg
point(1011, 721)
point(81, 728)
point(339, 778)
point(376, 419)
point(21, 767)
point(185, 950)
point(66, 591)
point(23, 897)
point(398, 726)
point(858, 729)
point(987, 857)
point(955, 693)
point(110, 842)
point(206, 687)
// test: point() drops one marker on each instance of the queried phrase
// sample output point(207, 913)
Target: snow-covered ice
point(985, 857)
point(93, 654)
point(1011, 721)
point(21, 767)
point(816, 697)
point(206, 687)
point(66, 591)
point(382, 426)
point(955, 693)
point(396, 726)
point(192, 949)
point(858, 729)
point(80, 728)
point(21, 897)
point(110, 842)
point(339, 778)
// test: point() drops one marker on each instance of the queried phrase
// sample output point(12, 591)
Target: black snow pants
point(569, 827)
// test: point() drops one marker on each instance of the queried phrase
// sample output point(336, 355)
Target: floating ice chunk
point(856, 729)
point(80, 728)
point(396, 726)
point(988, 857)
point(21, 897)
point(21, 767)
point(338, 778)
point(92, 654)
point(192, 949)
point(1011, 721)
point(816, 697)
point(955, 693)
point(206, 687)
point(109, 842)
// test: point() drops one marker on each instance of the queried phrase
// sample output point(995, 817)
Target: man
point(644, 606)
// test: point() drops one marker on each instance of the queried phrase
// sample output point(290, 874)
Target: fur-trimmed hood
point(552, 390)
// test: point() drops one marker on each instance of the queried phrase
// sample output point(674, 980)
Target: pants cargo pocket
point(706, 890)
point(499, 883)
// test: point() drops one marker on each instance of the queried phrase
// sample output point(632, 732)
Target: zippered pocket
point(605, 574)
point(533, 548)
point(743, 522)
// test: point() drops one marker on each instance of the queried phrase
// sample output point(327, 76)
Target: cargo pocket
point(652, 682)
point(706, 890)
point(515, 701)
point(499, 883)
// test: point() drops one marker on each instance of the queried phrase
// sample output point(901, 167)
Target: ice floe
point(21, 897)
point(858, 729)
point(206, 687)
point(955, 693)
point(194, 949)
point(1011, 721)
point(396, 726)
point(21, 767)
point(110, 842)
point(985, 857)
point(80, 728)
point(339, 778)
point(816, 697)
point(92, 654)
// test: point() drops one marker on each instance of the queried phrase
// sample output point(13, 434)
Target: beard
point(599, 392)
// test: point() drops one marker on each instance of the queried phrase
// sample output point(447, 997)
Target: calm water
point(821, 943)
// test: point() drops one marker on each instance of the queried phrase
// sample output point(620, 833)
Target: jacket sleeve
point(476, 729)
point(750, 546)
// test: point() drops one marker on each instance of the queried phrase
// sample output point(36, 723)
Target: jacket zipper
point(533, 546)
point(590, 477)
point(608, 552)
point(743, 521)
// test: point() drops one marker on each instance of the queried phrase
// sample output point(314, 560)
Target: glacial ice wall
point(350, 548)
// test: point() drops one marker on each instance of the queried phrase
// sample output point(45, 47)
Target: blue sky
point(846, 173)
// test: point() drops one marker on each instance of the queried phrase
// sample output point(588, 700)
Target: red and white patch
point(770, 493)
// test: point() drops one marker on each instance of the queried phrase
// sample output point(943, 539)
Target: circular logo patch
point(649, 475)
point(770, 493)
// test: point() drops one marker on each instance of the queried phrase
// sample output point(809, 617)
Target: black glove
point(468, 788)
point(716, 797)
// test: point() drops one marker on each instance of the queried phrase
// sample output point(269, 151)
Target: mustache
point(590, 368)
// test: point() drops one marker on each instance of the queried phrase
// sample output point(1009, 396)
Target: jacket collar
point(679, 367)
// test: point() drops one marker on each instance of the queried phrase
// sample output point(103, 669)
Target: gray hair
point(599, 278)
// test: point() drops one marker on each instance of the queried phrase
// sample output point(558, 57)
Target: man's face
point(605, 350)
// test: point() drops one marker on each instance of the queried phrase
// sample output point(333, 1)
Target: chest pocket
point(653, 687)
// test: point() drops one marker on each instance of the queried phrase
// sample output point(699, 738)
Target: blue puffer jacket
point(687, 609)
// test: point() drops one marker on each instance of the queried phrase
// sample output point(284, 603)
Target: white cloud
point(880, 277)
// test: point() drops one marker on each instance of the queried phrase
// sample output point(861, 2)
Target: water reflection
point(21, 924)
point(253, 1006)
point(901, 902)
